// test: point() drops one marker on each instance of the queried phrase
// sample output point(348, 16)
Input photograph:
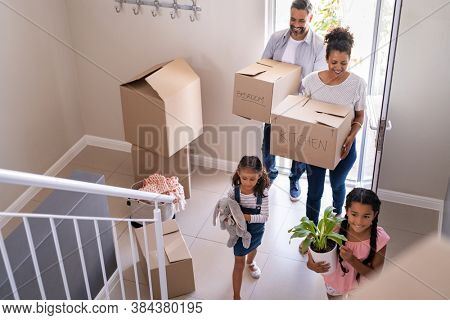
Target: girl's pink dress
point(339, 283)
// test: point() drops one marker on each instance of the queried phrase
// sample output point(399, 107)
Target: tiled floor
point(284, 272)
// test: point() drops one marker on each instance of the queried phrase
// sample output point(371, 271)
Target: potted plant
point(321, 240)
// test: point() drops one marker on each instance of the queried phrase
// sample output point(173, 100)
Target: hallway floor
point(284, 271)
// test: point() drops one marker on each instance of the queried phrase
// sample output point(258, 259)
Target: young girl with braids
point(250, 190)
point(365, 248)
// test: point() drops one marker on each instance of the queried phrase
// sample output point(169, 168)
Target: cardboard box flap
point(328, 120)
point(142, 88)
point(172, 78)
point(254, 70)
point(268, 62)
point(170, 226)
point(175, 247)
point(280, 68)
point(147, 72)
point(288, 103)
point(331, 109)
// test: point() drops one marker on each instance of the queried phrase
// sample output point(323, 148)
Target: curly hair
point(339, 39)
point(252, 162)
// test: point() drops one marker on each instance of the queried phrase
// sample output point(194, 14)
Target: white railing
point(28, 179)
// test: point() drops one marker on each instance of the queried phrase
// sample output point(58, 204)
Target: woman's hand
point(346, 254)
point(347, 146)
point(247, 217)
point(319, 267)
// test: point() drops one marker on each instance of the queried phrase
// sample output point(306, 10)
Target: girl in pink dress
point(363, 252)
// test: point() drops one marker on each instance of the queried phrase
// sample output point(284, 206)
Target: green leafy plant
point(318, 236)
point(327, 16)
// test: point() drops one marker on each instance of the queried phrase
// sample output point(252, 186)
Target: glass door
point(381, 80)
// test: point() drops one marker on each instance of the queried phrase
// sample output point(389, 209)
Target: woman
point(335, 85)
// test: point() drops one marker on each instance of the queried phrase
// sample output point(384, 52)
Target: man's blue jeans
point(297, 168)
point(316, 182)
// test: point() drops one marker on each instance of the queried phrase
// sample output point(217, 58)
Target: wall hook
point(137, 9)
point(174, 13)
point(195, 10)
point(119, 8)
point(157, 6)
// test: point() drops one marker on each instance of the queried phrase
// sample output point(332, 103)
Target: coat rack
point(156, 11)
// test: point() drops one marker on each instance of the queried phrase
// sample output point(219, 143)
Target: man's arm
point(270, 48)
point(321, 62)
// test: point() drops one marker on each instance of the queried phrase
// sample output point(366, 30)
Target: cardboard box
point(162, 108)
point(146, 163)
point(179, 268)
point(419, 273)
point(310, 131)
point(262, 86)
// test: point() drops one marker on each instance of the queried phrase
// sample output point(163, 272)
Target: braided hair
point(367, 197)
point(252, 162)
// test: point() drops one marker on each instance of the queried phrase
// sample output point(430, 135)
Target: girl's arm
point(264, 215)
point(377, 263)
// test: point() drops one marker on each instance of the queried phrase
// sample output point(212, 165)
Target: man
point(297, 45)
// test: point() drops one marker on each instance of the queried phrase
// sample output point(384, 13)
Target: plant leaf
point(336, 237)
point(305, 245)
point(328, 212)
point(299, 234)
point(308, 225)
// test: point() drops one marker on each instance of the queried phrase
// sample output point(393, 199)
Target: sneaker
point(294, 190)
point(256, 273)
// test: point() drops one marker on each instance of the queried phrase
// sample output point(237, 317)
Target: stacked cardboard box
point(162, 114)
point(310, 131)
point(261, 86)
point(178, 260)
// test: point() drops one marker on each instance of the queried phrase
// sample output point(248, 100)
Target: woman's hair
point(368, 197)
point(339, 39)
point(252, 162)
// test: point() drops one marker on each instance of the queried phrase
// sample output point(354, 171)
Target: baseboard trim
point(415, 201)
point(112, 283)
point(410, 199)
point(213, 163)
point(106, 143)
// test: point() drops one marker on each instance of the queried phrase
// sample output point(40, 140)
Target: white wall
point(229, 35)
point(39, 114)
point(416, 155)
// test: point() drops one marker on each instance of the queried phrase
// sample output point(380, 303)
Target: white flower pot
point(328, 257)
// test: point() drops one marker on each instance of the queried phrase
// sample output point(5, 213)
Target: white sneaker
point(254, 273)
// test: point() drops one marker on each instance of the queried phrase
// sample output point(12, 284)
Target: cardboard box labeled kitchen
point(262, 86)
point(162, 108)
point(179, 268)
point(310, 131)
point(146, 162)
